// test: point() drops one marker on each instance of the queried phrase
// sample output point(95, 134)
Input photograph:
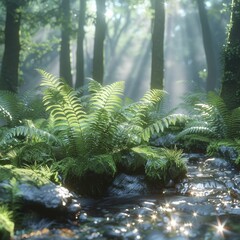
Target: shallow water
point(203, 206)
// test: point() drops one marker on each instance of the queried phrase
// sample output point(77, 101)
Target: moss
point(22, 175)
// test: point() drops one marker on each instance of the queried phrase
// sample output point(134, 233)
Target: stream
point(205, 205)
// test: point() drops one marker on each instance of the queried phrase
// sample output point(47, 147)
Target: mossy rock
point(25, 189)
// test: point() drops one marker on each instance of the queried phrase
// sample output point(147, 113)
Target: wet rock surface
point(205, 205)
point(49, 200)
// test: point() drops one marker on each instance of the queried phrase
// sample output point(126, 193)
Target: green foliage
point(15, 108)
point(91, 130)
point(21, 174)
point(99, 164)
point(34, 153)
point(213, 148)
point(162, 164)
point(96, 130)
point(213, 121)
point(107, 97)
point(15, 201)
point(161, 123)
point(6, 223)
point(26, 133)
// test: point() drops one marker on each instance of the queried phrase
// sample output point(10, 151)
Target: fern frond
point(161, 124)
point(31, 133)
point(94, 86)
point(6, 222)
point(234, 124)
point(100, 131)
point(66, 110)
point(197, 130)
point(103, 163)
point(153, 96)
point(109, 97)
point(12, 109)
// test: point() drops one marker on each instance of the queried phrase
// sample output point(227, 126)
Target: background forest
point(112, 41)
point(93, 89)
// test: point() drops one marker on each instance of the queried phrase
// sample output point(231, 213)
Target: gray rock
point(125, 184)
point(218, 163)
point(168, 140)
point(229, 153)
point(49, 198)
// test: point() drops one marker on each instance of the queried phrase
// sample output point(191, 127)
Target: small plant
point(162, 164)
point(6, 223)
point(213, 121)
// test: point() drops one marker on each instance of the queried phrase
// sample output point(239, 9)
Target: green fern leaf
point(109, 97)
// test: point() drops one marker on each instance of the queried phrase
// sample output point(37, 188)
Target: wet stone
point(219, 163)
point(125, 184)
point(194, 158)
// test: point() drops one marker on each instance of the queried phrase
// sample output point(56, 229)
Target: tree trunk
point(98, 52)
point(230, 91)
point(10, 61)
point(80, 50)
point(157, 69)
point(65, 61)
point(208, 47)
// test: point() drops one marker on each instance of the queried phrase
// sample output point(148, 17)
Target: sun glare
point(220, 227)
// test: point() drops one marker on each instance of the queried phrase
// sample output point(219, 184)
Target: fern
point(28, 132)
point(108, 97)
point(67, 112)
point(214, 120)
point(161, 124)
point(94, 86)
point(6, 222)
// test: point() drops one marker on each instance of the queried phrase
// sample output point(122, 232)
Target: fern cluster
point(85, 133)
point(94, 131)
point(212, 121)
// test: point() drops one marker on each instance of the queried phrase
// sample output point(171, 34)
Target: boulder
point(37, 194)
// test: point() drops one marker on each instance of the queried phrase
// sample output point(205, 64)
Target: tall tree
point(211, 80)
point(65, 56)
point(157, 69)
point(100, 32)
point(230, 91)
point(10, 61)
point(80, 50)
